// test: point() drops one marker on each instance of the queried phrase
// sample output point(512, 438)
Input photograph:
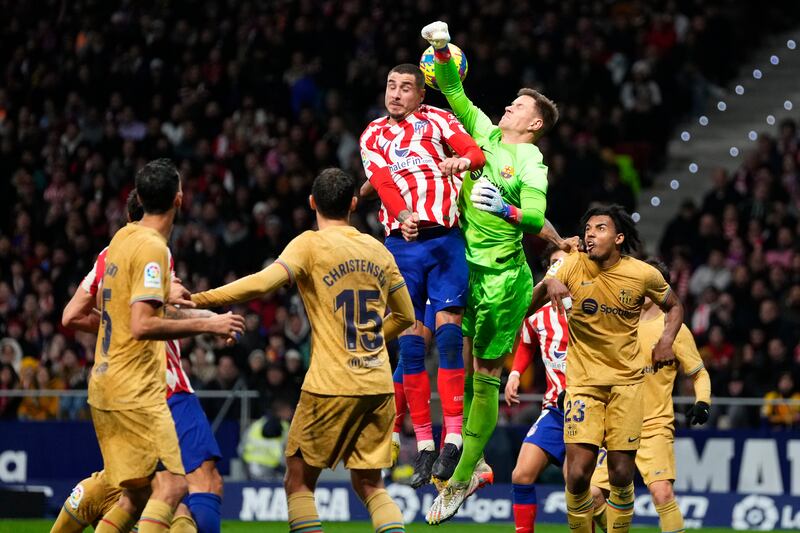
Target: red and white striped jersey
point(549, 329)
point(177, 380)
point(412, 150)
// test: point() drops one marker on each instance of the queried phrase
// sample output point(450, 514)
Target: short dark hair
point(409, 68)
point(157, 183)
point(623, 223)
point(333, 190)
point(547, 108)
point(549, 250)
point(659, 265)
point(135, 209)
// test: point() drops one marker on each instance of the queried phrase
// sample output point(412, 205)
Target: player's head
point(405, 90)
point(531, 113)
point(135, 209)
point(158, 185)
point(552, 254)
point(333, 194)
point(609, 230)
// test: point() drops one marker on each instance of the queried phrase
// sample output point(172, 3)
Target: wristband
point(442, 55)
point(513, 373)
point(512, 214)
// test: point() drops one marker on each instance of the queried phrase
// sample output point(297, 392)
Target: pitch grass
point(43, 526)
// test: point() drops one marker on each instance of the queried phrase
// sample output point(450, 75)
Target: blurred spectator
point(264, 442)
point(712, 274)
point(228, 379)
point(37, 377)
point(781, 415)
point(9, 381)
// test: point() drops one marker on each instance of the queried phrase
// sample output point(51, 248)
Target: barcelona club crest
point(625, 296)
point(507, 172)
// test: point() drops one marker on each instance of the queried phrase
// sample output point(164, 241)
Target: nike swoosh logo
point(633, 439)
point(584, 283)
point(469, 433)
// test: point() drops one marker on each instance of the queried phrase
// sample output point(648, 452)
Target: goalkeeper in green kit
point(507, 200)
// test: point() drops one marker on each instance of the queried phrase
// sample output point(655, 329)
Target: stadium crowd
point(251, 99)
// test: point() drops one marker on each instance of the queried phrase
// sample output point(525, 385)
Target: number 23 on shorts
point(575, 411)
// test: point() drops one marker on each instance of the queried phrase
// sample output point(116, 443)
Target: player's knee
point(662, 492)
point(579, 475)
point(522, 476)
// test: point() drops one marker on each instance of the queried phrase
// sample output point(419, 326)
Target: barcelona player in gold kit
point(655, 459)
point(127, 390)
point(604, 378)
point(346, 411)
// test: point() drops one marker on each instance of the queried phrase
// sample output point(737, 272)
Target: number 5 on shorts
point(579, 407)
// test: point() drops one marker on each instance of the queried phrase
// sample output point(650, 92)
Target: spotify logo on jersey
point(589, 306)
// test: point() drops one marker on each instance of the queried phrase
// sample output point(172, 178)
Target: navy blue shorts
point(194, 432)
point(434, 268)
point(548, 434)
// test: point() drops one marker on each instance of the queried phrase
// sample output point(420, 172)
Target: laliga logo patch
point(364, 159)
point(75, 497)
point(152, 275)
point(507, 172)
point(755, 513)
point(555, 266)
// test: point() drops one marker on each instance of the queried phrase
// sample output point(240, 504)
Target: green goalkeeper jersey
point(515, 169)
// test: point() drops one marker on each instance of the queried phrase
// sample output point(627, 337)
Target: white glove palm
point(487, 197)
point(437, 34)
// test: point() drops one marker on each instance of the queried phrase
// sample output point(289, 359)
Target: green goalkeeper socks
point(467, 398)
point(480, 424)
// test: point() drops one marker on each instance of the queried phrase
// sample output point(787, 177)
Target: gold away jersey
point(659, 413)
point(127, 373)
point(345, 278)
point(603, 341)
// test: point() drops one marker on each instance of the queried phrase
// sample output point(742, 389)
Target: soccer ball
point(426, 65)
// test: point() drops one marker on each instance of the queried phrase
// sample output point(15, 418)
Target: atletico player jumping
point(405, 156)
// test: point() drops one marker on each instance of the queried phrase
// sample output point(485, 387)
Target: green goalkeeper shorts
point(496, 307)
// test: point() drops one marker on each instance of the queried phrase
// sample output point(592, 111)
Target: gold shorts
point(90, 500)
point(655, 461)
point(609, 416)
point(134, 441)
point(353, 429)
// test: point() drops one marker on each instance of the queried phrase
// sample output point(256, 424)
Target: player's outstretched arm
point(402, 315)
point(245, 289)
point(147, 325)
point(474, 120)
point(550, 234)
point(663, 354)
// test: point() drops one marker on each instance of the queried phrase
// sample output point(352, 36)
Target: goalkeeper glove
point(437, 34)
point(487, 197)
point(697, 414)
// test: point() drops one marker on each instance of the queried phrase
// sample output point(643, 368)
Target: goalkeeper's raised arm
point(525, 120)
